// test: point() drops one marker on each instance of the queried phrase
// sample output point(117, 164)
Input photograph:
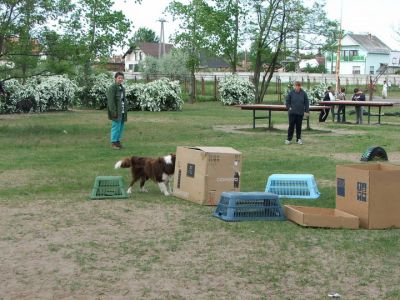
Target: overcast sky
point(378, 17)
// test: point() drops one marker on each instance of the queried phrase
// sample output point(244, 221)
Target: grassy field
point(55, 243)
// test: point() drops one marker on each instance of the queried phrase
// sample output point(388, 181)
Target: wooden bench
point(369, 104)
point(274, 107)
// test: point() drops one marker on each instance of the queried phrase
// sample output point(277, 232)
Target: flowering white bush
point(8, 102)
point(132, 93)
point(54, 93)
point(97, 93)
point(92, 92)
point(315, 94)
point(38, 94)
point(235, 90)
point(160, 95)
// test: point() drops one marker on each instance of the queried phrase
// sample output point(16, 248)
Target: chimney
point(369, 35)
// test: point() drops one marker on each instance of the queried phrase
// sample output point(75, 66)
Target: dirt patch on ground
point(15, 178)
point(132, 249)
point(248, 130)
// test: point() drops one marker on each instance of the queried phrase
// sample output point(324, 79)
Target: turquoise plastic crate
point(252, 206)
point(109, 187)
point(298, 186)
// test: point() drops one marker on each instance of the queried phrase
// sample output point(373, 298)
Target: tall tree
point(192, 35)
point(144, 34)
point(280, 23)
point(227, 26)
point(21, 25)
point(269, 32)
point(96, 28)
point(309, 28)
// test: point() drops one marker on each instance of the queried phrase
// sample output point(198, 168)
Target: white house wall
point(375, 60)
point(131, 59)
point(347, 67)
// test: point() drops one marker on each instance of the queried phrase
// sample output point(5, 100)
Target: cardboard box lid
point(321, 217)
point(376, 167)
point(228, 150)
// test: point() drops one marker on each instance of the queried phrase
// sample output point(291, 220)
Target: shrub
point(54, 93)
point(38, 94)
point(315, 93)
point(8, 102)
point(93, 94)
point(235, 90)
point(132, 94)
point(160, 95)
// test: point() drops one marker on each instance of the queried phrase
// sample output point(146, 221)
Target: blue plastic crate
point(252, 206)
point(298, 186)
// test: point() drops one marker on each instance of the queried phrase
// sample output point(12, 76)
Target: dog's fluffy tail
point(123, 163)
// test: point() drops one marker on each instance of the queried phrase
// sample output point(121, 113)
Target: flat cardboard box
point(321, 217)
point(370, 191)
point(203, 173)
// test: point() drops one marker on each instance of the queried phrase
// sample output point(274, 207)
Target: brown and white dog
point(160, 170)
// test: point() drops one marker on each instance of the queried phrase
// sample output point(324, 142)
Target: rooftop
point(370, 42)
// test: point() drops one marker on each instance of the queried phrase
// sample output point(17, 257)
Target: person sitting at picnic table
point(341, 109)
point(358, 96)
point(327, 97)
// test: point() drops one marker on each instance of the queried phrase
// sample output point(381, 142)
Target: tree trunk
point(257, 72)
point(192, 97)
point(235, 38)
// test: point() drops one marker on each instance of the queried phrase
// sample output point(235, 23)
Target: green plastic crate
point(109, 187)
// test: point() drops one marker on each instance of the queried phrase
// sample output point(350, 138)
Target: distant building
point(312, 62)
point(116, 63)
point(393, 66)
point(211, 62)
point(139, 52)
point(360, 54)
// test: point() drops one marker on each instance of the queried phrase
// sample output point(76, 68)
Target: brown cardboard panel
point(370, 191)
point(356, 183)
point(384, 207)
point(216, 150)
point(203, 173)
point(321, 217)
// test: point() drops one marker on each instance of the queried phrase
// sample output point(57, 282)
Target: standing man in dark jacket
point(117, 109)
point(297, 104)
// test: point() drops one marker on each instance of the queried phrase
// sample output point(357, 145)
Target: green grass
point(156, 247)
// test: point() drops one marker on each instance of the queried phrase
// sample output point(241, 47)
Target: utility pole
point(338, 50)
point(161, 46)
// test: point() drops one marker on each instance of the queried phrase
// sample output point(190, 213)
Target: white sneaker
point(287, 142)
point(300, 142)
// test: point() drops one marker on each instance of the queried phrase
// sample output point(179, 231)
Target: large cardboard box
point(203, 173)
point(371, 192)
point(321, 217)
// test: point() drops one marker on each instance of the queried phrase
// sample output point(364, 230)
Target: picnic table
point(369, 104)
point(274, 107)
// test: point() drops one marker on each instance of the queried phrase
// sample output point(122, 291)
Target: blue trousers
point(295, 122)
point(117, 127)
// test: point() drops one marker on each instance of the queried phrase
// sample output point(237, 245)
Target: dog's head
point(170, 159)
point(173, 158)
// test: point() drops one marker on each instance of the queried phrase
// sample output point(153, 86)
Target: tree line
point(45, 37)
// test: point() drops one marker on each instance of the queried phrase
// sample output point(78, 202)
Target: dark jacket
point(297, 103)
point(358, 97)
point(114, 104)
